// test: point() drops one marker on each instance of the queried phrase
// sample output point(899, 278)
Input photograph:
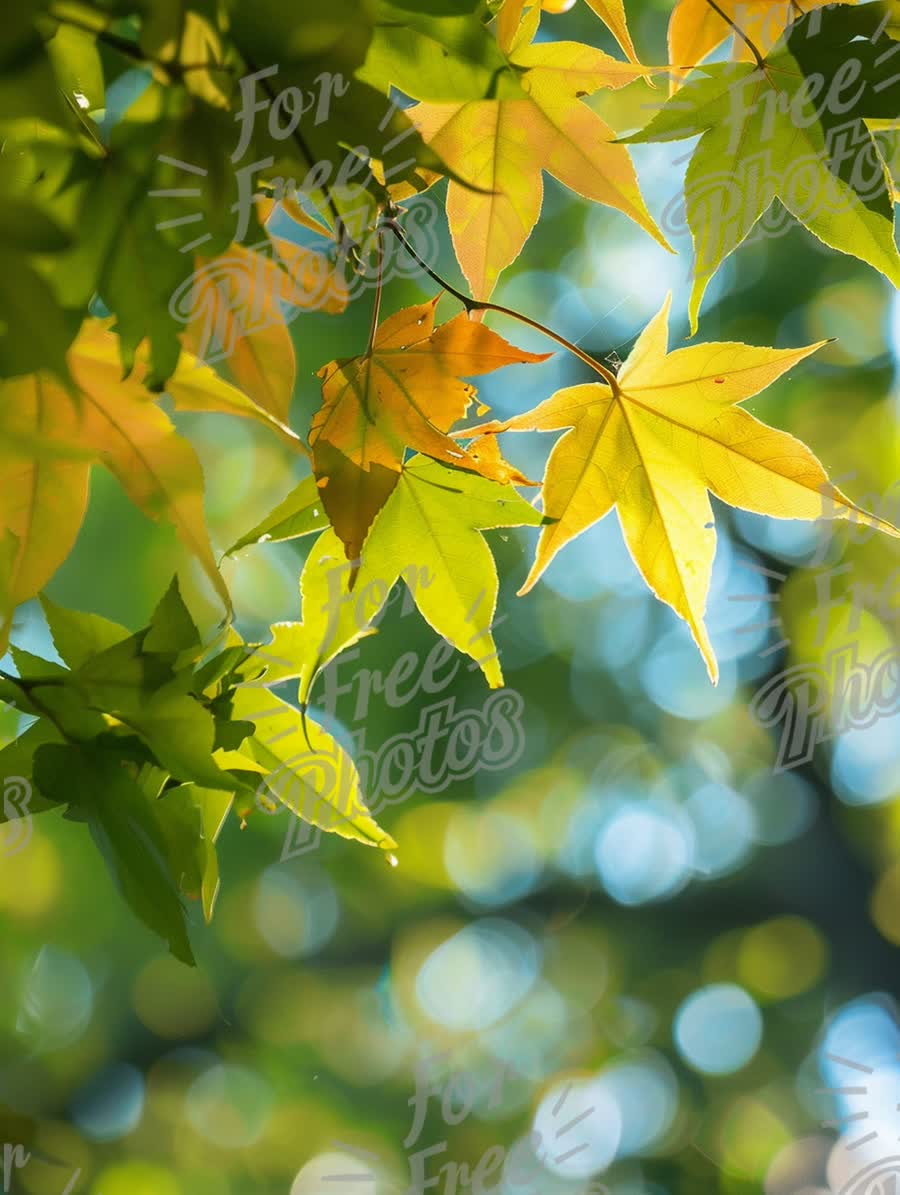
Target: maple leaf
point(771, 134)
point(656, 447)
point(428, 535)
point(610, 12)
point(502, 146)
point(509, 22)
point(236, 302)
point(308, 771)
point(290, 205)
point(51, 437)
point(696, 29)
point(404, 392)
point(300, 513)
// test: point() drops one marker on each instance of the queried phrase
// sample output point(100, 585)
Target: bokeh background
point(641, 939)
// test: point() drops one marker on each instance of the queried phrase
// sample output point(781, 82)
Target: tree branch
point(483, 305)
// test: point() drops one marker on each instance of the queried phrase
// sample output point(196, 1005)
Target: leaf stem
point(379, 283)
point(760, 61)
point(484, 305)
point(27, 687)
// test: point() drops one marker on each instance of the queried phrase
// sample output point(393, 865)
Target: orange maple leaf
point(404, 392)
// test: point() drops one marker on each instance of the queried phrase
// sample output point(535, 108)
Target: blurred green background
point(640, 939)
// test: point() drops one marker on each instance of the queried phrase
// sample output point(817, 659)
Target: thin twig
point(28, 687)
point(129, 48)
point(340, 229)
point(760, 61)
point(379, 282)
point(483, 305)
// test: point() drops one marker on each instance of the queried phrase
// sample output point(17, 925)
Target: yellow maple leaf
point(291, 206)
point(501, 146)
point(404, 392)
point(238, 303)
point(696, 29)
point(657, 445)
point(50, 437)
point(610, 12)
point(509, 18)
point(43, 492)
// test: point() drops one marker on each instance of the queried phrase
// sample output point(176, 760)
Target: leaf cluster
point(278, 124)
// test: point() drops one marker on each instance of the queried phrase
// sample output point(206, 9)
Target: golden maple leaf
point(501, 146)
point(696, 29)
point(657, 445)
point(405, 392)
point(610, 12)
point(51, 436)
point(236, 310)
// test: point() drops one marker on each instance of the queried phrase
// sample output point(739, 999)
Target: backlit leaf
point(429, 536)
point(301, 513)
point(308, 771)
point(503, 145)
point(404, 393)
point(785, 133)
point(670, 435)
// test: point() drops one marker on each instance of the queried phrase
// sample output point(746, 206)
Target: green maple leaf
point(429, 535)
point(192, 820)
point(306, 770)
point(129, 829)
point(300, 513)
point(794, 131)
